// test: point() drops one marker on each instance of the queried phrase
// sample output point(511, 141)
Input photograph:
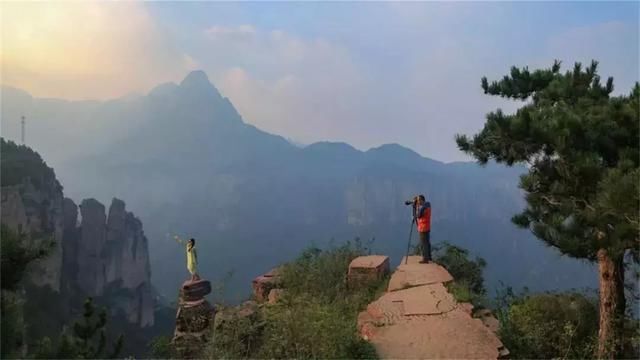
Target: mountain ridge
point(188, 163)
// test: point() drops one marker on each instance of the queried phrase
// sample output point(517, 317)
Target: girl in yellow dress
point(192, 257)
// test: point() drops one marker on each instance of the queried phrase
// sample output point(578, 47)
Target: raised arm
point(180, 241)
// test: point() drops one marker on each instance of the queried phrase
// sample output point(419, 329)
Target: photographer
point(423, 220)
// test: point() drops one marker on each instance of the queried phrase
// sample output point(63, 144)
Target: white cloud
point(242, 32)
point(85, 49)
point(301, 88)
point(406, 73)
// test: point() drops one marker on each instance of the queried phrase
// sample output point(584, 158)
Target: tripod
point(406, 258)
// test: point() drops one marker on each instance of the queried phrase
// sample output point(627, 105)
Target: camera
point(413, 201)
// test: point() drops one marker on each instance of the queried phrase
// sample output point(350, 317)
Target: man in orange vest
point(423, 219)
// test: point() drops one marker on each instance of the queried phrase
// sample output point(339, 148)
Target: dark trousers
point(425, 242)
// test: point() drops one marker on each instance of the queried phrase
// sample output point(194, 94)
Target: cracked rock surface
point(418, 318)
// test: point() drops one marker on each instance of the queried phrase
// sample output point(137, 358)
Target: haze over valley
point(187, 163)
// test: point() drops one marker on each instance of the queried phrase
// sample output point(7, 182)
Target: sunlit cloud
point(85, 49)
point(403, 72)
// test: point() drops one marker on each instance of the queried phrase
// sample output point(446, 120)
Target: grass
point(315, 318)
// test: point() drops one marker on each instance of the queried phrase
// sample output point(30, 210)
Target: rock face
point(193, 320)
point(102, 257)
point(35, 211)
point(110, 257)
point(365, 269)
point(263, 284)
point(419, 319)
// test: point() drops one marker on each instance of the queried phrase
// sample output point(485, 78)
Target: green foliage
point(314, 318)
point(582, 146)
point(468, 285)
point(86, 341)
point(545, 326)
point(12, 325)
point(19, 162)
point(461, 291)
point(583, 184)
point(16, 255)
point(456, 260)
point(307, 327)
point(161, 347)
point(239, 335)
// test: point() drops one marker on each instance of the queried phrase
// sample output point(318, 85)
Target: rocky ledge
point(418, 318)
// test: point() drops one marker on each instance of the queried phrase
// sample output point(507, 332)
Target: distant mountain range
point(187, 163)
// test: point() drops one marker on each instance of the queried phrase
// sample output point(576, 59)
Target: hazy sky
point(363, 73)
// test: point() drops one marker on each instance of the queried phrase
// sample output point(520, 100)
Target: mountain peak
point(197, 84)
point(196, 78)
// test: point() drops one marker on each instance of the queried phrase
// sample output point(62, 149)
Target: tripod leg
point(406, 258)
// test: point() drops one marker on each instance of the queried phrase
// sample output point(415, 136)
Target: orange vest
point(424, 222)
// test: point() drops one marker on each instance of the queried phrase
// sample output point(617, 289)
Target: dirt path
point(417, 318)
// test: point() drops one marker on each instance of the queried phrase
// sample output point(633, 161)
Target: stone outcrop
point(263, 284)
point(35, 211)
point(193, 319)
point(418, 318)
point(365, 269)
point(102, 257)
point(109, 257)
point(275, 295)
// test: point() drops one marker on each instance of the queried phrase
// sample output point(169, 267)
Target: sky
point(362, 73)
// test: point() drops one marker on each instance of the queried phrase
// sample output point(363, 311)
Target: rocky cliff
point(101, 256)
point(108, 256)
point(31, 204)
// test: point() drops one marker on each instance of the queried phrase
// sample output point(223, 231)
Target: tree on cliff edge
point(581, 145)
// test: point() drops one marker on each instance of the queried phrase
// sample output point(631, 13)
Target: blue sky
point(362, 73)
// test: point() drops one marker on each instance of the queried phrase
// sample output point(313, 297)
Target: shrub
point(307, 327)
point(464, 270)
point(316, 317)
point(550, 325)
point(161, 347)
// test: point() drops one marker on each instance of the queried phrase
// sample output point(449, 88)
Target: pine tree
point(582, 149)
point(15, 257)
point(87, 341)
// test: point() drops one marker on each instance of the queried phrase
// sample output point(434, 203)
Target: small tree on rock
point(582, 148)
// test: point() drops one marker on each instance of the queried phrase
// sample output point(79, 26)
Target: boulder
point(246, 310)
point(263, 284)
point(274, 295)
point(195, 290)
point(365, 269)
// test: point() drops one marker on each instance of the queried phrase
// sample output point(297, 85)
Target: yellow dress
point(192, 256)
point(192, 260)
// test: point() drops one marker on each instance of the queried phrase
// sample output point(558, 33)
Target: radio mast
point(22, 134)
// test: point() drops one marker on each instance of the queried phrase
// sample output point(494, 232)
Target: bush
point(238, 332)
point(464, 270)
point(316, 317)
point(15, 258)
point(305, 327)
point(12, 325)
point(87, 340)
point(550, 325)
point(16, 255)
point(468, 284)
point(19, 162)
point(161, 347)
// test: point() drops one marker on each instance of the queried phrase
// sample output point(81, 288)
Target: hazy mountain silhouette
point(187, 163)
